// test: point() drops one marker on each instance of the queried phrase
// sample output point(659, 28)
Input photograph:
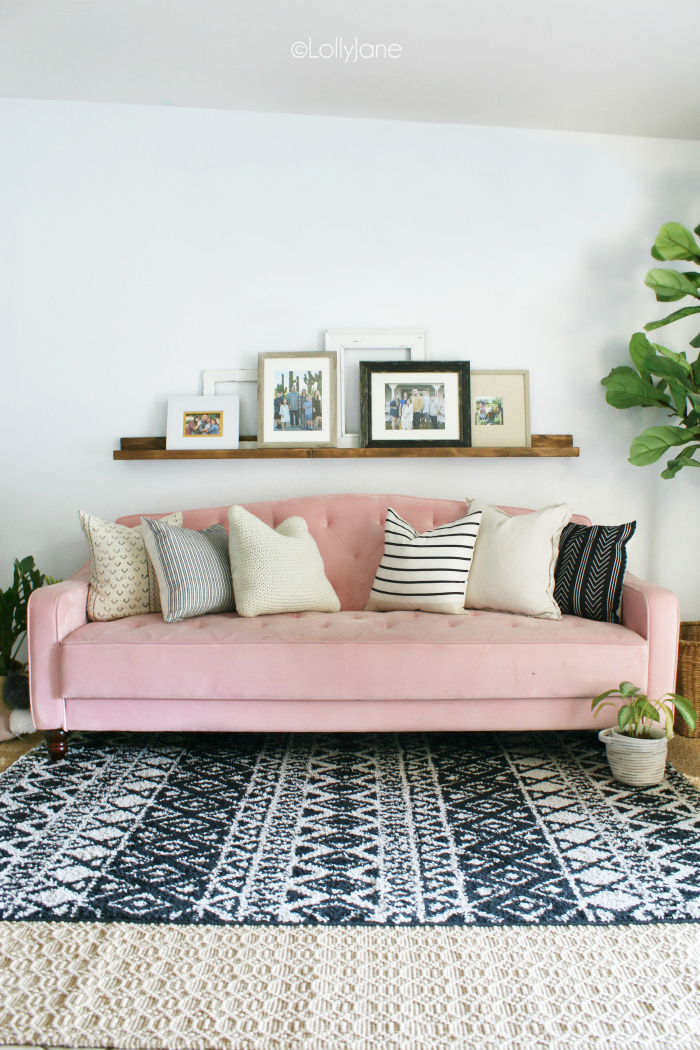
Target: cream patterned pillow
point(122, 579)
point(276, 570)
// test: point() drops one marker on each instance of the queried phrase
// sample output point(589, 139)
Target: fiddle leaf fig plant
point(638, 713)
point(13, 612)
point(663, 378)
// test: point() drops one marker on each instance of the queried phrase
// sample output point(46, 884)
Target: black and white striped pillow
point(590, 570)
point(192, 569)
point(427, 571)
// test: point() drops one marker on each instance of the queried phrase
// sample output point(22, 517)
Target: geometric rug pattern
point(415, 829)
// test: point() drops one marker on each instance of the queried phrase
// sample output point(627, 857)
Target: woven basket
point(688, 679)
point(634, 760)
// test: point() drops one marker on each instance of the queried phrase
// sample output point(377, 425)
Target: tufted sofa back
point(349, 530)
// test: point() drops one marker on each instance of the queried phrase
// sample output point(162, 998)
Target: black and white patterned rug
point(361, 829)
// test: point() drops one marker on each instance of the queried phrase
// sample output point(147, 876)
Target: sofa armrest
point(653, 612)
point(53, 613)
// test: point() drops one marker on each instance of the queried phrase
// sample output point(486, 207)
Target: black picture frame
point(460, 368)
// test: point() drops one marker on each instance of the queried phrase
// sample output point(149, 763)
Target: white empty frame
point(366, 344)
point(248, 396)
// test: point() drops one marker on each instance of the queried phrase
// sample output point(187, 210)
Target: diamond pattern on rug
point(345, 829)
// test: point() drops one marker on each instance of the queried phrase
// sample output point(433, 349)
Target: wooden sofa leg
point(56, 743)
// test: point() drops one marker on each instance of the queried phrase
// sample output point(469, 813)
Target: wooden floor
point(683, 754)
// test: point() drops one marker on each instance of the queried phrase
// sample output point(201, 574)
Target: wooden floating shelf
point(543, 446)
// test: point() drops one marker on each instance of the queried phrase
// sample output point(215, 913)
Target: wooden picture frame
point(288, 371)
point(504, 394)
point(378, 344)
point(387, 387)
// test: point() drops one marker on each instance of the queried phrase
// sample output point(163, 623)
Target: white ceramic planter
point(635, 761)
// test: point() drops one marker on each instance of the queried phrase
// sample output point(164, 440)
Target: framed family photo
point(296, 399)
point(500, 408)
point(202, 422)
point(404, 404)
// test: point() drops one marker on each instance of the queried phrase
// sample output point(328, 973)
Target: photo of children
point(298, 400)
point(488, 412)
point(419, 406)
point(203, 424)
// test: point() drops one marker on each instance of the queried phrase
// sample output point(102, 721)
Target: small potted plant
point(637, 748)
point(14, 682)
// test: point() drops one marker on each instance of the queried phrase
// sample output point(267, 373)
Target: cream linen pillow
point(514, 560)
point(276, 570)
point(122, 579)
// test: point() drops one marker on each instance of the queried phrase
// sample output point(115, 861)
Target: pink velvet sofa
point(349, 671)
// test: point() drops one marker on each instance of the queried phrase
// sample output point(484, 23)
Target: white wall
point(140, 245)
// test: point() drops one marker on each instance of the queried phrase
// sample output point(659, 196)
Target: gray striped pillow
point(427, 571)
point(192, 569)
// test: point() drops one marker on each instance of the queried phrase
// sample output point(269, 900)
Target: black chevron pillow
point(590, 570)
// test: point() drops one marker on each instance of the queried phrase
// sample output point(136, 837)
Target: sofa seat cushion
point(350, 655)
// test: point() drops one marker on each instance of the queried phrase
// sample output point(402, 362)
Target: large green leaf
point(624, 715)
point(675, 316)
point(696, 341)
point(602, 696)
point(647, 710)
point(639, 348)
point(672, 355)
point(674, 241)
point(670, 298)
point(684, 460)
point(668, 717)
point(626, 388)
point(679, 394)
point(670, 283)
point(686, 709)
point(654, 441)
point(665, 368)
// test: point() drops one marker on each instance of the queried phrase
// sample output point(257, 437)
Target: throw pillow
point(276, 570)
point(122, 580)
point(193, 571)
point(514, 560)
point(427, 571)
point(591, 570)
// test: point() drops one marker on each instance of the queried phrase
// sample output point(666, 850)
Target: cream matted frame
point(227, 407)
point(512, 387)
point(376, 341)
point(268, 363)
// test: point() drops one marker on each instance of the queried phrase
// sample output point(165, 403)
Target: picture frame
point(248, 398)
point(198, 422)
point(351, 345)
point(500, 408)
point(413, 403)
point(307, 420)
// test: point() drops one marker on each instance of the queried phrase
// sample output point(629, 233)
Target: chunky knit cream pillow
point(276, 570)
point(122, 579)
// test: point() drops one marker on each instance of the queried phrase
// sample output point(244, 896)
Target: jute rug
point(277, 988)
